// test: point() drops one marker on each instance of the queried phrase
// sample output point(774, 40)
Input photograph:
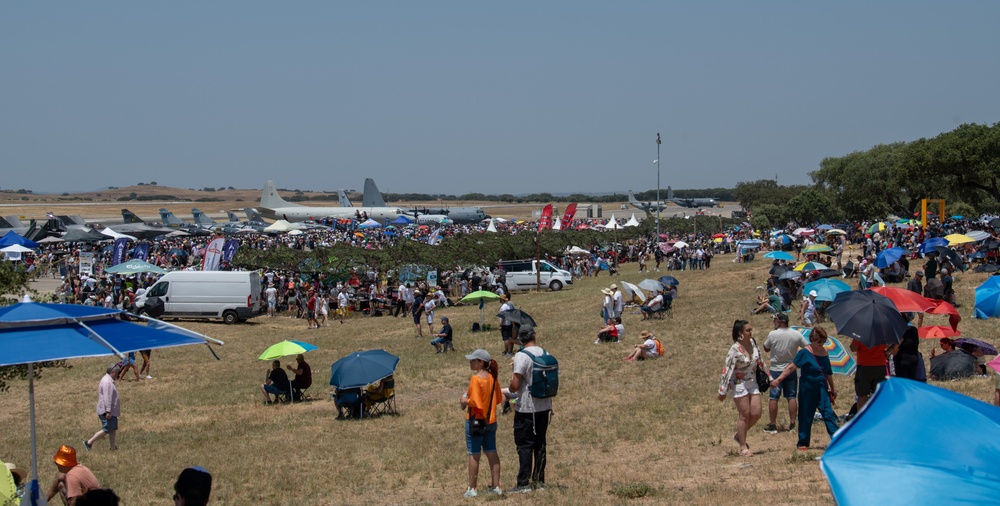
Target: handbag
point(761, 374)
point(477, 426)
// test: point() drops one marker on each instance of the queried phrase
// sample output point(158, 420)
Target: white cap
point(813, 293)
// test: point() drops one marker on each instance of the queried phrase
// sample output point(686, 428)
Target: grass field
point(622, 433)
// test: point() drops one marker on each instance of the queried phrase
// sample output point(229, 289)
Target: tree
point(865, 184)
point(13, 280)
point(814, 205)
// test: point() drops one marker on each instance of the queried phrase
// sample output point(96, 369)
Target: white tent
point(279, 226)
point(492, 227)
point(14, 251)
point(612, 223)
point(632, 222)
point(557, 225)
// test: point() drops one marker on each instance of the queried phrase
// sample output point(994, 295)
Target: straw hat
point(614, 286)
point(66, 456)
point(644, 334)
point(606, 291)
point(503, 297)
point(17, 472)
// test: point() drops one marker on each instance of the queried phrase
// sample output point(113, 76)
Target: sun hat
point(17, 472)
point(645, 333)
point(606, 291)
point(479, 354)
point(613, 286)
point(503, 297)
point(66, 456)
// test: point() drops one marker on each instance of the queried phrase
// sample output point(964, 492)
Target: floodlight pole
point(657, 186)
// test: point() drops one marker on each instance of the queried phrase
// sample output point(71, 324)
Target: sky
point(492, 97)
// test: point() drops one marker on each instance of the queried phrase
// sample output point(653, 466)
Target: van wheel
point(555, 286)
point(230, 317)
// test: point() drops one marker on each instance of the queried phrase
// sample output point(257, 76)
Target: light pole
point(657, 187)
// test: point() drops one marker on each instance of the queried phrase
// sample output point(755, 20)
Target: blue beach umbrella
point(888, 256)
point(928, 464)
point(362, 368)
point(780, 255)
point(827, 288)
point(988, 298)
point(928, 245)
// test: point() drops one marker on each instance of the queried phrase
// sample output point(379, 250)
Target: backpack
point(659, 347)
point(544, 375)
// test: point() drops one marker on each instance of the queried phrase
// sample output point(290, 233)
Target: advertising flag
point(213, 255)
point(119, 251)
point(546, 220)
point(568, 215)
point(229, 250)
point(141, 251)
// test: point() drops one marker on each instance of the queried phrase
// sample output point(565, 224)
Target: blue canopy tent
point(11, 238)
point(401, 220)
point(916, 444)
point(988, 298)
point(35, 332)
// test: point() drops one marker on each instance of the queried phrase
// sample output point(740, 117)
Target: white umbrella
point(651, 285)
point(681, 244)
point(631, 290)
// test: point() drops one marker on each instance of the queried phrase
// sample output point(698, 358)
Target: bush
point(631, 490)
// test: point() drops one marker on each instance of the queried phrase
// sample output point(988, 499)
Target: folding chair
point(665, 309)
point(383, 403)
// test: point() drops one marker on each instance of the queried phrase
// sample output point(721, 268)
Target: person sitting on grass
point(614, 331)
point(276, 383)
point(646, 349)
point(768, 302)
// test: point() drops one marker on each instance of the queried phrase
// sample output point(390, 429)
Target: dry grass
point(640, 433)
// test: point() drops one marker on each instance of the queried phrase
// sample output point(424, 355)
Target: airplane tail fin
point(169, 219)
point(372, 197)
point(344, 200)
point(631, 199)
point(270, 199)
point(201, 218)
point(130, 217)
point(77, 219)
point(670, 193)
point(253, 215)
point(14, 222)
point(232, 216)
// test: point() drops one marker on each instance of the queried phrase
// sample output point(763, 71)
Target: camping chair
point(383, 402)
point(348, 401)
point(665, 309)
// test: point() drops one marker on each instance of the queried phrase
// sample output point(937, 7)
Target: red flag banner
point(546, 220)
point(568, 215)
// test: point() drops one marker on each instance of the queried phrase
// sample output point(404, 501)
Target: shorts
point(439, 341)
point(507, 332)
point(485, 443)
point(272, 303)
point(808, 319)
point(273, 390)
point(416, 318)
point(867, 378)
point(108, 424)
point(745, 387)
point(311, 314)
point(430, 318)
point(789, 386)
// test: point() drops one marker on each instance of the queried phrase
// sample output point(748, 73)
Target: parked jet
point(204, 221)
point(275, 207)
point(690, 202)
point(649, 207)
point(135, 227)
point(12, 224)
point(171, 221)
point(373, 197)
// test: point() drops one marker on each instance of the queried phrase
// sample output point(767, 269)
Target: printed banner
point(87, 263)
point(568, 215)
point(213, 255)
point(141, 251)
point(546, 220)
point(229, 250)
point(119, 251)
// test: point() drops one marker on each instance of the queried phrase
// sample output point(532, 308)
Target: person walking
point(739, 380)
point(109, 408)
point(816, 388)
point(480, 403)
point(531, 416)
point(783, 343)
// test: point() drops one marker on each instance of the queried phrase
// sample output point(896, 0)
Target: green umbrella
point(286, 348)
point(816, 248)
point(480, 296)
point(134, 267)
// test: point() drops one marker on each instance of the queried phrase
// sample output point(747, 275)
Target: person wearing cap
point(808, 313)
point(916, 283)
point(74, 479)
point(109, 407)
point(531, 416)
point(193, 487)
point(442, 342)
point(617, 301)
point(608, 306)
point(652, 306)
point(272, 298)
point(506, 327)
point(783, 343)
point(480, 401)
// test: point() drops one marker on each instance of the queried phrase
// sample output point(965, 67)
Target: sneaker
point(598, 341)
point(470, 492)
point(791, 427)
point(539, 486)
point(770, 428)
point(149, 377)
point(520, 489)
point(496, 491)
point(88, 445)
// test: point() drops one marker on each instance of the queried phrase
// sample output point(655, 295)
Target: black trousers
point(529, 437)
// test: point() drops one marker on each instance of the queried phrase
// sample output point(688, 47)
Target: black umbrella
point(953, 257)
point(986, 348)
point(991, 244)
point(952, 365)
point(987, 268)
point(995, 223)
point(517, 316)
point(669, 281)
point(778, 270)
point(868, 317)
point(790, 275)
point(154, 307)
point(828, 273)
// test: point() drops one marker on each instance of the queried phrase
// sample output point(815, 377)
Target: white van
point(523, 275)
point(233, 296)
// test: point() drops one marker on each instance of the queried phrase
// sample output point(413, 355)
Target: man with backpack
point(536, 381)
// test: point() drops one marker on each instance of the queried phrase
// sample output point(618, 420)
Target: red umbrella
point(905, 300)
point(716, 236)
point(942, 307)
point(937, 332)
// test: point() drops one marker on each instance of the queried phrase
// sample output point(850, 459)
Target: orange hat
point(66, 456)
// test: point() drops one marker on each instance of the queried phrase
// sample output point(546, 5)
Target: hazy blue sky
point(497, 97)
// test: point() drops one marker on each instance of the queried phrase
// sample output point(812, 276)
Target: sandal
point(746, 452)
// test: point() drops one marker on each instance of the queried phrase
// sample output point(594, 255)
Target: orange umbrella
point(937, 332)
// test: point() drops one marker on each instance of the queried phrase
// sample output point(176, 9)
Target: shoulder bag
point(477, 426)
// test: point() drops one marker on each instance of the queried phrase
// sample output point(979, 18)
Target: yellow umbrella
point(755, 233)
point(954, 239)
point(717, 239)
point(836, 231)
